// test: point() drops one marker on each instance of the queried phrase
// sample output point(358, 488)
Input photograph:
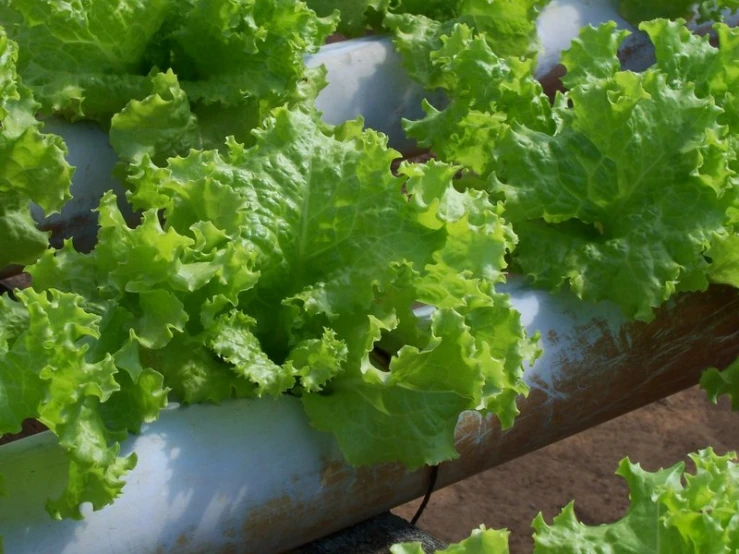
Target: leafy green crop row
point(276, 252)
point(596, 185)
point(270, 262)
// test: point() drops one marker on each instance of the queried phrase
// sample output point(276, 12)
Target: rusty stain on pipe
point(642, 364)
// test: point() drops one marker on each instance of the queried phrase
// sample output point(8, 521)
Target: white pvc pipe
point(203, 470)
point(253, 476)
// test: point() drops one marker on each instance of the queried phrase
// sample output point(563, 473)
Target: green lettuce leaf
point(161, 125)
point(717, 383)
point(671, 512)
point(49, 372)
point(84, 58)
point(596, 184)
point(32, 166)
point(152, 284)
point(507, 21)
point(644, 246)
point(233, 340)
point(246, 48)
point(166, 124)
point(724, 255)
point(118, 305)
point(481, 541)
point(715, 10)
point(342, 256)
point(607, 210)
point(419, 28)
point(179, 115)
point(235, 60)
point(270, 269)
point(636, 11)
point(686, 57)
point(486, 94)
point(410, 412)
point(360, 16)
point(356, 16)
point(317, 361)
point(194, 375)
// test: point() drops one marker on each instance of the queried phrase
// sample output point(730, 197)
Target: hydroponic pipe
point(253, 476)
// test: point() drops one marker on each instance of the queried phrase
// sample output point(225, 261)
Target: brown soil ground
point(581, 468)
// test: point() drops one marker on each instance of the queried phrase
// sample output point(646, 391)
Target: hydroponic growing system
point(267, 471)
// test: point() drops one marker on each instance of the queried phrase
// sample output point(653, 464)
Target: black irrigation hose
point(433, 474)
